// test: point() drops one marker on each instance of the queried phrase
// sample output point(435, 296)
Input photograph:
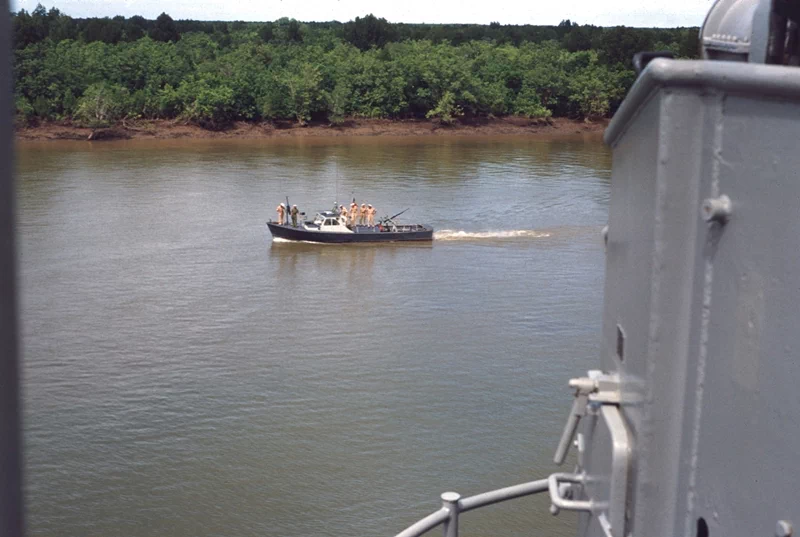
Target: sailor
point(362, 215)
point(281, 213)
point(343, 213)
point(295, 210)
point(371, 215)
point(353, 213)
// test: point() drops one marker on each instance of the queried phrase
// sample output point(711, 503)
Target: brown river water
point(184, 376)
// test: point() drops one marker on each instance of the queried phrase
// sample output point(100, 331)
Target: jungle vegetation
point(98, 71)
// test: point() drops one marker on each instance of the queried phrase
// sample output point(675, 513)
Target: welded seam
point(646, 431)
point(708, 277)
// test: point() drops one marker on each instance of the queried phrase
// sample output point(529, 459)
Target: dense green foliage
point(97, 71)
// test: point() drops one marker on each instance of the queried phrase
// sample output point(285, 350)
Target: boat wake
point(281, 240)
point(460, 235)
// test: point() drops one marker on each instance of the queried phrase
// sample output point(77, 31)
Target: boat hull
point(362, 234)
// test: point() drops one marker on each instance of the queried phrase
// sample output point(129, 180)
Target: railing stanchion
point(450, 502)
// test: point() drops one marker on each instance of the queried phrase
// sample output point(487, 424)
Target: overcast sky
point(599, 12)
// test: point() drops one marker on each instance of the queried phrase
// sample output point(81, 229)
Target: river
point(185, 376)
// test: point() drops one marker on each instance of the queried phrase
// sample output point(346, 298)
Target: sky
point(669, 13)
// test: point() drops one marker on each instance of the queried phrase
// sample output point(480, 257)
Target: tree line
point(98, 71)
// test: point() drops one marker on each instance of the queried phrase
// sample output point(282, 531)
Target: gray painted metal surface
point(703, 75)
point(450, 504)
point(10, 455)
point(701, 295)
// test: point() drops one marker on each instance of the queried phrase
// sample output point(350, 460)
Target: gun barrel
point(398, 214)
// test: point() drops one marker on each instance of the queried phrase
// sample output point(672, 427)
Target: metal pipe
point(453, 504)
point(450, 502)
point(11, 519)
point(504, 494)
point(554, 482)
point(575, 414)
point(426, 524)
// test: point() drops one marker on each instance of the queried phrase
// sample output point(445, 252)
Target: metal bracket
point(596, 393)
point(558, 495)
point(597, 388)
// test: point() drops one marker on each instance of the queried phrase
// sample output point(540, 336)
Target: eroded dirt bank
point(170, 129)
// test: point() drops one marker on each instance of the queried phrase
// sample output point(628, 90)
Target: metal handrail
point(453, 504)
point(426, 524)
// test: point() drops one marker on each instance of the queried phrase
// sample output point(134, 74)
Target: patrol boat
point(331, 227)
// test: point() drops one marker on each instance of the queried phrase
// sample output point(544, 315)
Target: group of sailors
point(284, 212)
point(363, 216)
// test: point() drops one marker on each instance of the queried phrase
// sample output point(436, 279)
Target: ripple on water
point(185, 376)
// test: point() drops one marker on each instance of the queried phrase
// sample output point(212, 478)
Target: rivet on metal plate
point(716, 209)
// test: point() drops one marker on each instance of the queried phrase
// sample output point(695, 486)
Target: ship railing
point(453, 505)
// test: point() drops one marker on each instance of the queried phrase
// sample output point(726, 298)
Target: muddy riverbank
point(171, 129)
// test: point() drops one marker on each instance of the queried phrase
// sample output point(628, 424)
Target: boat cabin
point(329, 221)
